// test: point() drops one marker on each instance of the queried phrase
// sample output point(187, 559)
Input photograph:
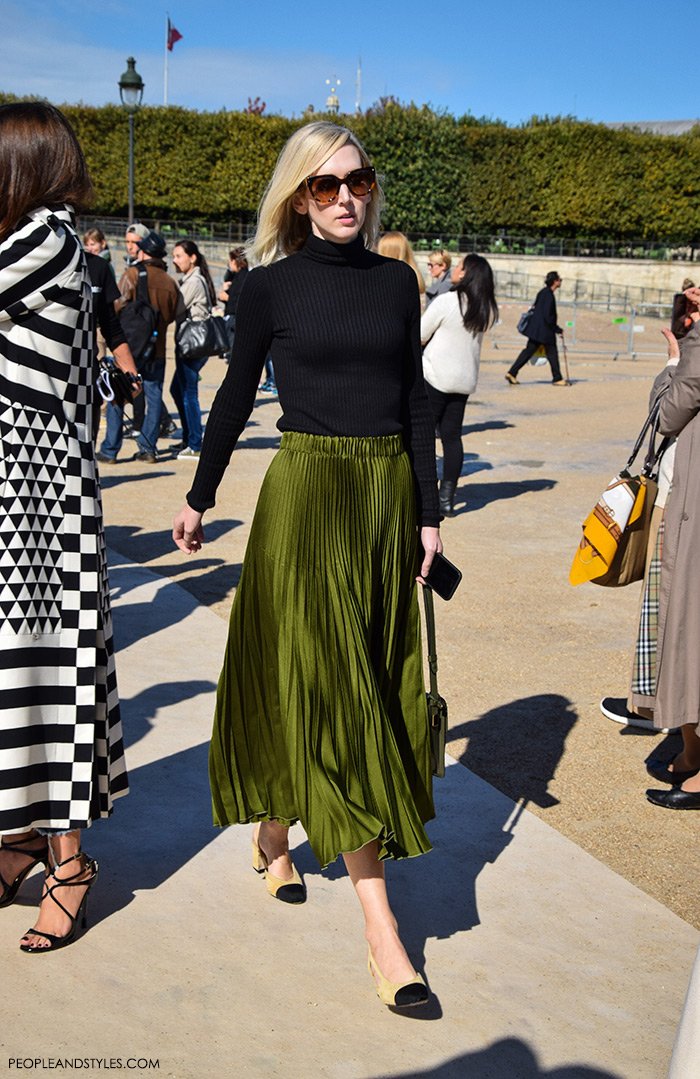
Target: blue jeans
point(153, 375)
point(115, 431)
point(184, 389)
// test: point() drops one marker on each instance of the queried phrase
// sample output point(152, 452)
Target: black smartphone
point(443, 577)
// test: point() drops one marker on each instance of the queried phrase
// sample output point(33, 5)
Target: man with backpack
point(149, 302)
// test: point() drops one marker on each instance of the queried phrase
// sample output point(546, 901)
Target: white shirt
point(451, 353)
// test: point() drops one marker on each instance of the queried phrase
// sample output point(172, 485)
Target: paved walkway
point(542, 961)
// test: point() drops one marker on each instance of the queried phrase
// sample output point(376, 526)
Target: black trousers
point(530, 350)
point(448, 413)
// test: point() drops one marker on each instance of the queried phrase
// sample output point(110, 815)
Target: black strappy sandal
point(36, 855)
point(65, 882)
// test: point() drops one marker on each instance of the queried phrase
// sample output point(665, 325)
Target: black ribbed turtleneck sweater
point(343, 328)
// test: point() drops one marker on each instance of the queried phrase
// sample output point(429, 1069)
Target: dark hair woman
point(62, 760)
point(321, 713)
point(452, 329)
point(542, 330)
point(198, 296)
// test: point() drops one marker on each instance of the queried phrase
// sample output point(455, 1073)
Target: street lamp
point(131, 94)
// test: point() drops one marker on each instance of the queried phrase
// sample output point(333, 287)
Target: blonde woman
point(394, 245)
point(321, 714)
point(439, 264)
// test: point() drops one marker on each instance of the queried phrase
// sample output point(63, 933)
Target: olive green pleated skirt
point(321, 712)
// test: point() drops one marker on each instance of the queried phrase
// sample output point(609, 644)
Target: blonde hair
point(394, 245)
point(281, 230)
point(444, 257)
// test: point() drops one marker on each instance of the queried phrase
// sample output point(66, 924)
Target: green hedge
point(554, 177)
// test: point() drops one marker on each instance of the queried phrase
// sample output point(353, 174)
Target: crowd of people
point(191, 297)
point(320, 712)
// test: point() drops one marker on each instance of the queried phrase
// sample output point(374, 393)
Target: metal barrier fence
point(504, 243)
point(238, 232)
point(597, 329)
point(517, 284)
point(231, 233)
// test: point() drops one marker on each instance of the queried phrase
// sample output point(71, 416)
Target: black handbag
point(525, 320)
point(116, 385)
point(199, 340)
point(437, 705)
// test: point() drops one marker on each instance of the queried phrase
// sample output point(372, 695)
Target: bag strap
point(653, 454)
point(430, 631)
point(142, 285)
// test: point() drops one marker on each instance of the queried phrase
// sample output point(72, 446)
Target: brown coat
point(678, 651)
point(163, 294)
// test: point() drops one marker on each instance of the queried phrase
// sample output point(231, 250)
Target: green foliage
point(249, 148)
point(552, 176)
point(417, 153)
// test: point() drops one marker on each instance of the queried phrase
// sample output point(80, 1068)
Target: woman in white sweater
point(452, 329)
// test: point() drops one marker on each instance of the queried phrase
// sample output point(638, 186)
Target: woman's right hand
point(188, 533)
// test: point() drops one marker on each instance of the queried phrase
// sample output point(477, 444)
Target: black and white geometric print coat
point(61, 751)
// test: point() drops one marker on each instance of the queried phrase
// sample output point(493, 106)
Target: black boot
point(447, 498)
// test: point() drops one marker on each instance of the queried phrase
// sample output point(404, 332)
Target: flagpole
point(165, 61)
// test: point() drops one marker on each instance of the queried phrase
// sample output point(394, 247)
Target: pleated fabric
point(321, 714)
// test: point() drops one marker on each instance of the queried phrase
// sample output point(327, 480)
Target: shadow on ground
point(486, 425)
point(261, 442)
point(474, 496)
point(517, 746)
point(509, 1058)
point(166, 816)
point(135, 544)
point(112, 475)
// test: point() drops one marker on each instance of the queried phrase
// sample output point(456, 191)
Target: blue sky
point(602, 61)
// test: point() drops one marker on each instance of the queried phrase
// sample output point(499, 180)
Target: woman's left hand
point(432, 545)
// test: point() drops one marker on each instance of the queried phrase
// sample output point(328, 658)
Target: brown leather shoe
point(561, 382)
point(512, 379)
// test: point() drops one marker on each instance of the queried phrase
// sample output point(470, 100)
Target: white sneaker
point(188, 455)
point(615, 708)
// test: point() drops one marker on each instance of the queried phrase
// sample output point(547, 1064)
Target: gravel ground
point(524, 657)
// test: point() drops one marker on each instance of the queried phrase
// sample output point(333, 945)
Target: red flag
point(173, 36)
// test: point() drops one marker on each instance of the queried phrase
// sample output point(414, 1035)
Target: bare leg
point(381, 928)
point(273, 840)
point(688, 760)
point(51, 918)
point(12, 862)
